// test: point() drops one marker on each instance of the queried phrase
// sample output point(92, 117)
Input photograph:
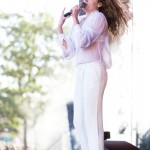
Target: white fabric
point(88, 41)
point(91, 79)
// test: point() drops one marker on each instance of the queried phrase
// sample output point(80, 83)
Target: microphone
point(81, 5)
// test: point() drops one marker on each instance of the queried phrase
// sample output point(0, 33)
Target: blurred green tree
point(27, 56)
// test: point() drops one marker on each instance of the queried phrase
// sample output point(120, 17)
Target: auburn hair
point(116, 14)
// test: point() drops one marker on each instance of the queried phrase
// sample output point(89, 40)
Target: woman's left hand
point(75, 11)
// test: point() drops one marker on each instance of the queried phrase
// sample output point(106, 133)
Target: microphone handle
point(81, 5)
point(67, 14)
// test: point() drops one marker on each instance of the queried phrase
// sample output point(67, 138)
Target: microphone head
point(82, 4)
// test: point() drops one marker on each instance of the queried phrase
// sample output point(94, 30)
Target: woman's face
point(92, 5)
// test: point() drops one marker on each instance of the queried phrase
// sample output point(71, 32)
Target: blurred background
point(37, 84)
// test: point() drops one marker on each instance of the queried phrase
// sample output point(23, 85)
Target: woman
point(89, 43)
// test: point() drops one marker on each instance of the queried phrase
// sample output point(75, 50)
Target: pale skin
point(75, 12)
point(91, 6)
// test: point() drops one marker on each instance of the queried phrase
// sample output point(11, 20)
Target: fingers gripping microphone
point(81, 5)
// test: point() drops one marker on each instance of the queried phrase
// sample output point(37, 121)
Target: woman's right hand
point(62, 19)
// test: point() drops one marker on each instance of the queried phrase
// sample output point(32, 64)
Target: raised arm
point(66, 43)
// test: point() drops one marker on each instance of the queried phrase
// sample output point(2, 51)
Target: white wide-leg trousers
point(91, 79)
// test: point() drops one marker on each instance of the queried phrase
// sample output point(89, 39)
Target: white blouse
point(88, 41)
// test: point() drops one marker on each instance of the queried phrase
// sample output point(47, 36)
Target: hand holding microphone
point(74, 12)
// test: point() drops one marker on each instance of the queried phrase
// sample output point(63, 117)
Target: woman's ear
point(100, 4)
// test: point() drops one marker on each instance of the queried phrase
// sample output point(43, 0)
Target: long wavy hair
point(117, 16)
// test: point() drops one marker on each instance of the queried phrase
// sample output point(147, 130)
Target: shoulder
point(99, 18)
point(99, 15)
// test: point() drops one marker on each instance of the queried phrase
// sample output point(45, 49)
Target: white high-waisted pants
point(91, 79)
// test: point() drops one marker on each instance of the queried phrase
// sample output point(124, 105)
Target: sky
point(53, 7)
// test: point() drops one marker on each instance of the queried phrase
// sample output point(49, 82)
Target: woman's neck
point(90, 12)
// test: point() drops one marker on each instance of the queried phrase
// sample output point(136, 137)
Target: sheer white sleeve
point(70, 51)
point(94, 26)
